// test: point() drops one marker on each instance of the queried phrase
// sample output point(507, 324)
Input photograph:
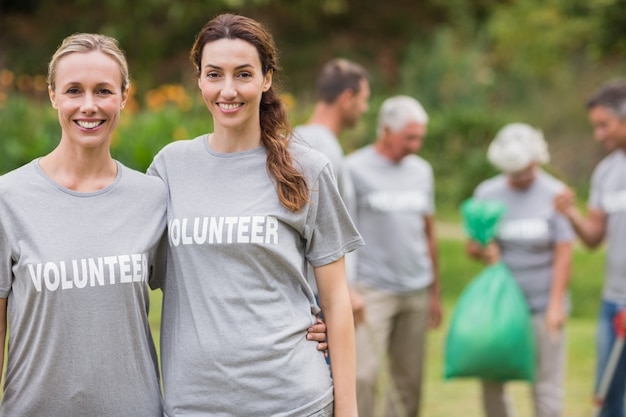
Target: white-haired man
point(397, 269)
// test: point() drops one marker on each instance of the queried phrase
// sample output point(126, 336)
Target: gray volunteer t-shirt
point(392, 200)
point(608, 194)
point(237, 304)
point(75, 268)
point(528, 232)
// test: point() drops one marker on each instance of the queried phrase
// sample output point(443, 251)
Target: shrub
point(28, 127)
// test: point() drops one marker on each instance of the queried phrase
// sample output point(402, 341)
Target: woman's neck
point(80, 170)
point(230, 140)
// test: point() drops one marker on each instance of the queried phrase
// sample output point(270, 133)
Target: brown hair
point(275, 129)
point(337, 76)
point(88, 42)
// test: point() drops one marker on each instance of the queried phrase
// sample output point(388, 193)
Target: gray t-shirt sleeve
point(157, 276)
point(332, 232)
point(594, 200)
point(563, 229)
point(5, 261)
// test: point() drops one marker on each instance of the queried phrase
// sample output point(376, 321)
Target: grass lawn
point(458, 397)
point(461, 397)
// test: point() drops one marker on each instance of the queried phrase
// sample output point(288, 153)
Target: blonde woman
point(78, 237)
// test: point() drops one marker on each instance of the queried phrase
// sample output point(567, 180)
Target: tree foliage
point(530, 37)
point(475, 64)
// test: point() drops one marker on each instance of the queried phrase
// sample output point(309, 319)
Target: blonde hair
point(88, 42)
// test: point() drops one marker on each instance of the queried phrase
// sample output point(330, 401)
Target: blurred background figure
point(397, 269)
point(606, 218)
point(342, 98)
point(535, 242)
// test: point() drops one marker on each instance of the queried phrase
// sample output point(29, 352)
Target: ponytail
point(291, 185)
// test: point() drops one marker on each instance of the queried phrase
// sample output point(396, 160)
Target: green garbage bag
point(490, 334)
point(481, 219)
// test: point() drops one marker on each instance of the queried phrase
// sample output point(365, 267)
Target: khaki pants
point(547, 391)
point(390, 348)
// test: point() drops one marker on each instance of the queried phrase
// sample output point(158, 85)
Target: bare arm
point(335, 303)
point(555, 312)
point(3, 333)
point(435, 312)
point(591, 229)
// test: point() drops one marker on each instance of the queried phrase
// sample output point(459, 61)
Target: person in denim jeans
point(606, 219)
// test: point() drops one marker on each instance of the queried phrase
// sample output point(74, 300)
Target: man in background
point(397, 269)
point(606, 219)
point(342, 95)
